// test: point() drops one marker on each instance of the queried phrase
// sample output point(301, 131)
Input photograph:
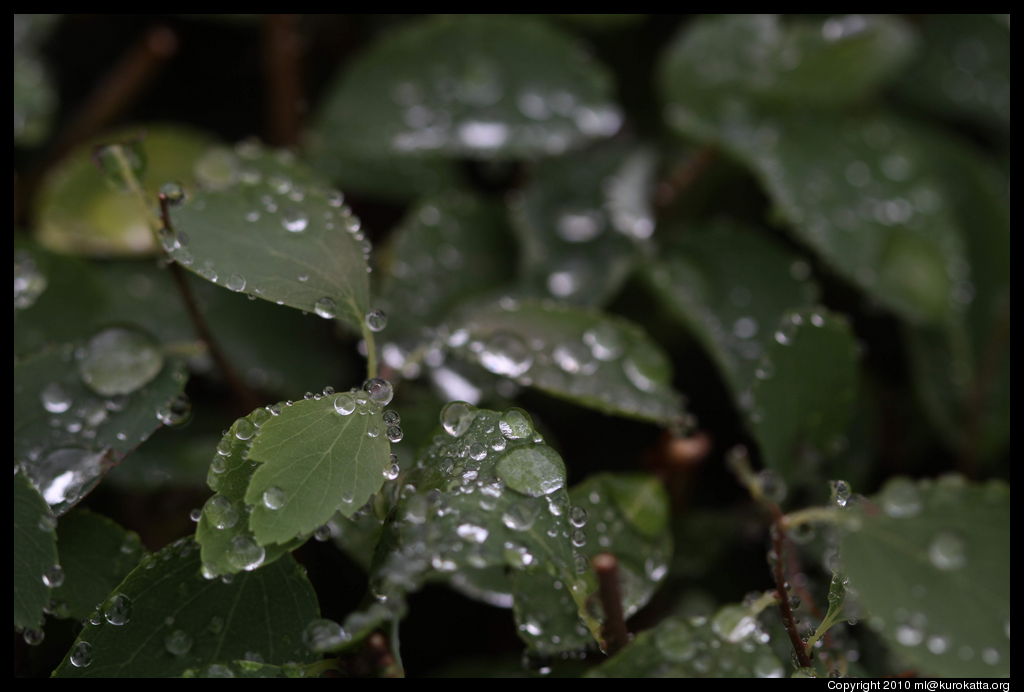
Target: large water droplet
point(344, 404)
point(376, 320)
point(274, 498)
point(515, 424)
point(118, 360)
point(118, 610)
point(472, 533)
point(456, 417)
point(379, 390)
point(533, 471)
point(65, 475)
point(326, 308)
point(322, 635)
point(81, 655)
point(245, 553)
point(733, 623)
point(506, 354)
point(220, 512)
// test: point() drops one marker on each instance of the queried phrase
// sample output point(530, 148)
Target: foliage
point(652, 299)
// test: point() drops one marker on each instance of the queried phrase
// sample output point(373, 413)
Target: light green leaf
point(315, 460)
point(35, 553)
point(66, 433)
point(174, 619)
point(696, 648)
point(488, 494)
point(579, 219)
point(718, 62)
point(929, 562)
point(963, 71)
point(508, 87)
point(583, 356)
point(804, 393)
point(730, 286)
point(447, 248)
point(264, 225)
point(79, 212)
point(96, 555)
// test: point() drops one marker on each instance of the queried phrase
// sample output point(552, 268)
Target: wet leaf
point(692, 648)
point(804, 392)
point(96, 554)
point(35, 553)
point(246, 669)
point(508, 87)
point(79, 212)
point(67, 435)
point(584, 356)
point(730, 287)
point(579, 220)
point(263, 225)
point(175, 620)
point(929, 561)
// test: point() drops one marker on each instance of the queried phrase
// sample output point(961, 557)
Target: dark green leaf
point(266, 226)
point(727, 646)
point(731, 286)
point(35, 96)
point(35, 553)
point(963, 70)
point(96, 555)
point(584, 356)
point(579, 219)
point(175, 620)
point(79, 212)
point(803, 396)
point(930, 562)
point(67, 435)
point(493, 87)
point(246, 669)
point(447, 249)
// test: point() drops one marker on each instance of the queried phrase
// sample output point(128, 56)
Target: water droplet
point(274, 498)
point(675, 641)
point(344, 404)
point(506, 354)
point(118, 360)
point(195, 515)
point(55, 399)
point(840, 493)
point(472, 533)
point(322, 533)
point(947, 551)
point(244, 429)
point(379, 390)
point(456, 417)
point(33, 637)
point(578, 516)
point(175, 412)
point(220, 512)
point(605, 341)
point(294, 220)
point(53, 576)
point(235, 282)
point(81, 655)
point(376, 320)
point(326, 308)
point(520, 516)
point(395, 434)
point(391, 417)
point(901, 499)
point(515, 424)
point(392, 471)
point(533, 471)
point(908, 635)
point(245, 553)
point(173, 192)
point(322, 635)
point(118, 610)
point(733, 623)
point(178, 643)
point(29, 282)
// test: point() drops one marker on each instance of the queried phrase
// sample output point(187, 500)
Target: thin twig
point(683, 176)
point(778, 535)
point(282, 66)
point(247, 399)
point(616, 636)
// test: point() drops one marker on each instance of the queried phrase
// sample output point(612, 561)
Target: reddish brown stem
point(282, 67)
point(247, 399)
point(779, 574)
point(606, 566)
point(683, 176)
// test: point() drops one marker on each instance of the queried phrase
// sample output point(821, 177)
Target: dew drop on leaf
point(55, 399)
point(326, 308)
point(178, 643)
point(81, 655)
point(274, 498)
point(53, 577)
point(456, 417)
point(118, 360)
point(376, 320)
point(533, 471)
point(245, 553)
point(379, 390)
point(118, 610)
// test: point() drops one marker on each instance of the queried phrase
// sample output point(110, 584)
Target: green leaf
point(627, 515)
point(730, 286)
point(265, 226)
point(96, 554)
point(508, 87)
point(447, 248)
point(66, 433)
point(719, 62)
point(247, 669)
point(79, 212)
point(804, 393)
point(320, 459)
point(929, 561)
point(35, 553)
point(584, 356)
point(488, 494)
point(963, 71)
point(695, 648)
point(579, 220)
point(35, 96)
point(174, 619)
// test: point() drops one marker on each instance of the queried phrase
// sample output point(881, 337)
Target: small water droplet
point(118, 610)
point(322, 635)
point(456, 417)
point(294, 220)
point(325, 307)
point(245, 553)
point(55, 399)
point(178, 643)
point(947, 551)
point(81, 655)
point(235, 282)
point(376, 320)
point(175, 412)
point(344, 404)
point(220, 512)
point(53, 576)
point(274, 498)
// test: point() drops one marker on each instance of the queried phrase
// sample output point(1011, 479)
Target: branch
point(616, 636)
point(778, 573)
point(282, 68)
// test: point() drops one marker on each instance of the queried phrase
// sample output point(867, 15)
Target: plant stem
point(812, 515)
point(282, 68)
point(778, 572)
point(606, 567)
point(371, 350)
